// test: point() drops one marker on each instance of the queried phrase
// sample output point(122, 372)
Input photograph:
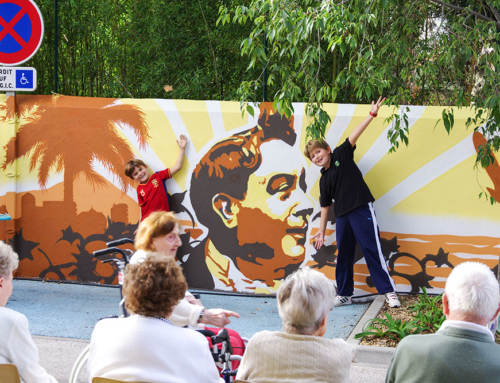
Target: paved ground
point(58, 354)
point(71, 310)
point(62, 317)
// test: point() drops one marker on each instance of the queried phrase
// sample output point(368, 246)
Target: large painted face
point(5, 289)
point(274, 214)
point(169, 243)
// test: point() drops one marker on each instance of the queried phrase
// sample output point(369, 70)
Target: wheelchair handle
point(118, 242)
point(111, 250)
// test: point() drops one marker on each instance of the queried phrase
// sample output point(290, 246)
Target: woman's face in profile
point(169, 243)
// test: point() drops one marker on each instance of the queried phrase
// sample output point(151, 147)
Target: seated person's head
point(159, 232)
point(304, 300)
point(8, 264)
point(152, 288)
point(471, 294)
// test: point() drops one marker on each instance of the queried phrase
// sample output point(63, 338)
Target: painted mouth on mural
point(299, 234)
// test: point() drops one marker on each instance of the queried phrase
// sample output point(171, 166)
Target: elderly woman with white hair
point(299, 353)
point(16, 344)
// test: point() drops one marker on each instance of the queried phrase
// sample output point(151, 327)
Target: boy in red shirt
point(151, 191)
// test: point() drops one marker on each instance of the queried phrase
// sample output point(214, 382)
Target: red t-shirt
point(152, 195)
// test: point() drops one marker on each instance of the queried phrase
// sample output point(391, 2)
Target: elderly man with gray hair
point(299, 353)
point(16, 345)
point(463, 349)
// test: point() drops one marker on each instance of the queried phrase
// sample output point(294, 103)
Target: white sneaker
point(342, 300)
point(392, 299)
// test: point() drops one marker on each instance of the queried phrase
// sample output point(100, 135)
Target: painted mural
point(246, 195)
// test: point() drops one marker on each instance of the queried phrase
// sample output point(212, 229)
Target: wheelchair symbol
point(23, 80)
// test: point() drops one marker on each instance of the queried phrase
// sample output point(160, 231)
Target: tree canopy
point(130, 48)
point(414, 52)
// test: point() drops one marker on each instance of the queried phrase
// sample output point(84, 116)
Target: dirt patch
point(403, 313)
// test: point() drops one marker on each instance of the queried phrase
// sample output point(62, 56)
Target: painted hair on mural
point(226, 167)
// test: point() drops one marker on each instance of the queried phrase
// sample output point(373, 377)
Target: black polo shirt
point(343, 182)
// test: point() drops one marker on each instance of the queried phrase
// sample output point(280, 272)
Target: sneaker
point(341, 300)
point(392, 299)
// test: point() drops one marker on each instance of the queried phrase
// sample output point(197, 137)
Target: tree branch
point(465, 10)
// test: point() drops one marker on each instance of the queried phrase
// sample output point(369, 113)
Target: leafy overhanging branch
point(413, 52)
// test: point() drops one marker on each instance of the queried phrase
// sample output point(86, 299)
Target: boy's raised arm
point(353, 137)
point(182, 142)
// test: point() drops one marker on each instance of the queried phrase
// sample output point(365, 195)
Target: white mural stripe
point(394, 222)
point(427, 173)
point(252, 120)
point(412, 240)
point(24, 185)
point(381, 146)
point(215, 116)
point(169, 108)
point(478, 256)
point(339, 124)
point(99, 168)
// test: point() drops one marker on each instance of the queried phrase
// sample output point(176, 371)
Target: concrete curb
point(372, 355)
point(370, 313)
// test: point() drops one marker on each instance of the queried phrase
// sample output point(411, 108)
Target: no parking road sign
point(21, 31)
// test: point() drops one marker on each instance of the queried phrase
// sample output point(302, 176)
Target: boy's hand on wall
point(182, 141)
point(318, 240)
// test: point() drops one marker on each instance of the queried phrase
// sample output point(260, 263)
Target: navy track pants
point(360, 225)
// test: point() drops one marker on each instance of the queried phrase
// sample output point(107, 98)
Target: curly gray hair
point(9, 260)
point(304, 299)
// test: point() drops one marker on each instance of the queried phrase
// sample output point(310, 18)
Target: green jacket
point(453, 355)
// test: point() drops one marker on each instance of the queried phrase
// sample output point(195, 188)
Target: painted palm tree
point(69, 133)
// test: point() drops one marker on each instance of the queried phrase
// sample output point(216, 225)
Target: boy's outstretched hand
point(182, 141)
point(318, 240)
point(376, 105)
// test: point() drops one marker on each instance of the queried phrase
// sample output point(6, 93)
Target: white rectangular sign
point(17, 79)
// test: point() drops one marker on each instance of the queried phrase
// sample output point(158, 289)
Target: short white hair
point(304, 299)
point(473, 289)
point(9, 260)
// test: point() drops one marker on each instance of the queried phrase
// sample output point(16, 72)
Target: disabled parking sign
point(21, 31)
point(17, 79)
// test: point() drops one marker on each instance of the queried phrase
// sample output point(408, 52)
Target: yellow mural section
point(431, 187)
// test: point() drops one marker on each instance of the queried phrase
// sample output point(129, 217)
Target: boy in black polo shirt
point(342, 181)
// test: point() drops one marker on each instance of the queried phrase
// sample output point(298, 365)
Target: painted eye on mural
point(281, 183)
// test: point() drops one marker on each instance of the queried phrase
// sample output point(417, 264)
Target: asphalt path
point(71, 310)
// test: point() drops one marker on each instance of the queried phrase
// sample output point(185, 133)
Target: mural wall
point(246, 195)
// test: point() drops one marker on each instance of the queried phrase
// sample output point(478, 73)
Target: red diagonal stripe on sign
point(8, 28)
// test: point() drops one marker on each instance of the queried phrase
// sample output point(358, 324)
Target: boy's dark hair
point(313, 144)
point(131, 165)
